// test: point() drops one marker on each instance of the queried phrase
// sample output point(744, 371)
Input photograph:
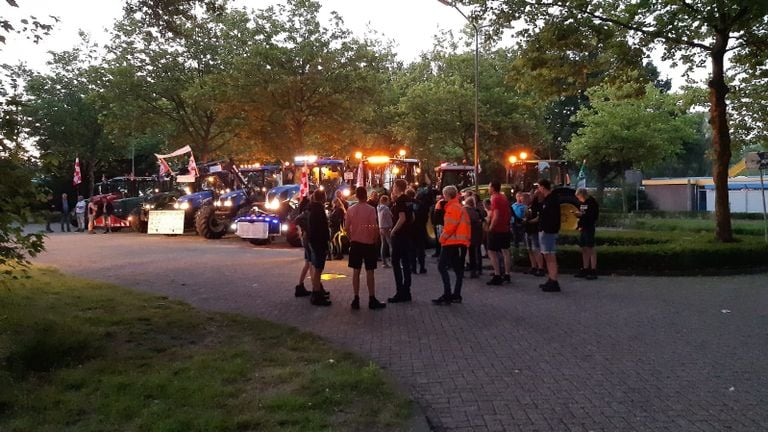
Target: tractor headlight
point(228, 203)
point(217, 203)
point(176, 206)
point(184, 205)
point(284, 227)
point(263, 189)
point(273, 205)
point(234, 226)
point(147, 206)
point(345, 192)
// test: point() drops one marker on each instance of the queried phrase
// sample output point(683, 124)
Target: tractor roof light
point(358, 155)
point(305, 159)
point(395, 170)
point(523, 155)
point(512, 159)
point(401, 152)
point(378, 159)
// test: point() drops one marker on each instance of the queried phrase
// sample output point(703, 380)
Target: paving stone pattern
point(616, 354)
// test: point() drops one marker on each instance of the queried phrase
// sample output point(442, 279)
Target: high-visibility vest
point(457, 230)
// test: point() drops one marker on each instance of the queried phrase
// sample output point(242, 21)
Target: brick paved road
point(617, 354)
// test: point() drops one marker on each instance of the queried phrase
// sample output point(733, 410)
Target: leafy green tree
point(692, 32)
point(621, 131)
point(436, 110)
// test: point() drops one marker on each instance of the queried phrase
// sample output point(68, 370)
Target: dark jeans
point(65, 222)
point(401, 264)
point(438, 231)
point(419, 242)
point(452, 257)
point(476, 259)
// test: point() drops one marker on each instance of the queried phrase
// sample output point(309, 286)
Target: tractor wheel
point(568, 206)
point(293, 237)
point(207, 225)
point(137, 224)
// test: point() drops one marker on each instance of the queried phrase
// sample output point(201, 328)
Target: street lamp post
point(476, 28)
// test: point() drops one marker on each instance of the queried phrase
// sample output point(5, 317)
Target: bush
point(665, 252)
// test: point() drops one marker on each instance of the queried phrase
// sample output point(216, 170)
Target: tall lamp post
point(475, 27)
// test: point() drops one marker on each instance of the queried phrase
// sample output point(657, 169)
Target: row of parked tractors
point(258, 202)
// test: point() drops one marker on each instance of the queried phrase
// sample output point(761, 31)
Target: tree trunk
point(721, 139)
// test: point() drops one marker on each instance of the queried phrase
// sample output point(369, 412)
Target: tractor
point(215, 217)
point(524, 173)
point(166, 191)
point(378, 173)
point(126, 195)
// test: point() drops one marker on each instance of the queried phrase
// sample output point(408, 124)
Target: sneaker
point(356, 303)
point(456, 298)
point(495, 280)
point(301, 291)
point(399, 298)
point(591, 274)
point(550, 286)
point(374, 304)
point(443, 300)
point(582, 273)
point(507, 278)
point(318, 299)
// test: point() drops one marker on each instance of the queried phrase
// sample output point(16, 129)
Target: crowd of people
point(393, 229)
point(90, 210)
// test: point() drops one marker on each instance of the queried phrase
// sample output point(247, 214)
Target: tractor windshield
point(213, 183)
point(525, 174)
point(459, 178)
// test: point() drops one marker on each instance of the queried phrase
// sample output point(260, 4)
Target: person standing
point(373, 198)
point(385, 228)
point(519, 208)
point(418, 233)
point(109, 210)
point(362, 226)
point(455, 239)
point(336, 220)
point(302, 224)
point(50, 211)
point(549, 224)
point(80, 213)
point(588, 214)
point(93, 209)
point(498, 234)
point(401, 244)
point(318, 236)
point(532, 236)
point(65, 213)
point(476, 226)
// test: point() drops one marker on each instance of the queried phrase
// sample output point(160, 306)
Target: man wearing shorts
point(549, 226)
point(362, 227)
point(588, 213)
point(498, 234)
point(531, 222)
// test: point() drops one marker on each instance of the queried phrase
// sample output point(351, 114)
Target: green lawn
point(79, 355)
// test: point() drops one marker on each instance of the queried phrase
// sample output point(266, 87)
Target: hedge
point(668, 253)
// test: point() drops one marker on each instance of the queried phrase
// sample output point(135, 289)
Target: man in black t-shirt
point(588, 213)
point(549, 226)
point(402, 215)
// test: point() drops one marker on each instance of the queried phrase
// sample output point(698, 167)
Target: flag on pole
point(581, 180)
point(164, 168)
point(77, 179)
point(360, 175)
point(304, 188)
point(192, 166)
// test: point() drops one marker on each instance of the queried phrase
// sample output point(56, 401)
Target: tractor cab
point(326, 173)
point(380, 172)
point(461, 176)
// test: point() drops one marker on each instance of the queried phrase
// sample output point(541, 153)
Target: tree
point(690, 31)
point(436, 110)
point(621, 131)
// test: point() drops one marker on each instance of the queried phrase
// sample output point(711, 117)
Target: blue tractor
point(215, 217)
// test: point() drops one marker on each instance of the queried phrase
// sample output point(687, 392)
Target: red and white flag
point(164, 168)
point(77, 179)
point(304, 187)
point(192, 166)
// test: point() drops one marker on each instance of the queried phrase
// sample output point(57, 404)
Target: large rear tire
point(207, 225)
point(137, 224)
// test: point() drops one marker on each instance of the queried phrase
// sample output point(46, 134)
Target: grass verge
point(79, 355)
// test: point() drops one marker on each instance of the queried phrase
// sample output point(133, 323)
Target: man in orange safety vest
point(456, 237)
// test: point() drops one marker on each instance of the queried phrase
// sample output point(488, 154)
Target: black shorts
point(318, 257)
point(587, 238)
point(361, 252)
point(498, 241)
